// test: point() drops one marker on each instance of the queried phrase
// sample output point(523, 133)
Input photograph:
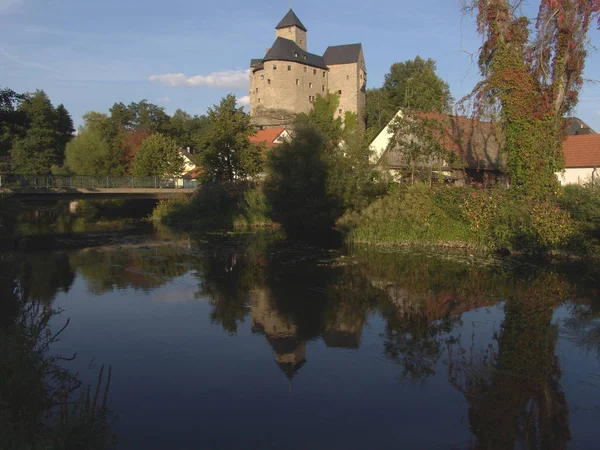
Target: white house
point(582, 159)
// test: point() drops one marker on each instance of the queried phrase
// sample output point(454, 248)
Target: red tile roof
point(267, 136)
point(582, 151)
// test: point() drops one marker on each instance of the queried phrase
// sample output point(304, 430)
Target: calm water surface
point(245, 342)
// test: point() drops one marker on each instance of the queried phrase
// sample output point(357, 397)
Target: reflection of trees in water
point(583, 325)
point(513, 389)
point(41, 403)
point(142, 268)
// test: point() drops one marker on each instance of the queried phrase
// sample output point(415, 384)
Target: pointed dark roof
point(290, 20)
point(287, 50)
point(342, 54)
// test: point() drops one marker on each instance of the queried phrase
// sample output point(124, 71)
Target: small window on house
point(305, 69)
point(269, 81)
point(310, 85)
point(297, 82)
point(274, 66)
point(314, 71)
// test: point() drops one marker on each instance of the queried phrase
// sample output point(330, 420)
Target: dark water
point(245, 342)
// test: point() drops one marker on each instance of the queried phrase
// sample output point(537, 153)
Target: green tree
point(188, 130)
point(158, 155)
point(379, 110)
point(47, 130)
point(12, 121)
point(140, 116)
point(414, 84)
point(322, 116)
point(227, 153)
point(89, 154)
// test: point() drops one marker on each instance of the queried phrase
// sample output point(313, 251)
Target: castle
point(286, 81)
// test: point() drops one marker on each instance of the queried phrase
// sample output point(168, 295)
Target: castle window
point(323, 74)
point(274, 66)
point(323, 88)
point(340, 92)
point(262, 77)
point(289, 67)
point(305, 69)
point(339, 110)
point(269, 81)
point(257, 90)
point(295, 55)
point(314, 71)
point(310, 85)
point(347, 77)
point(304, 56)
point(297, 82)
point(259, 101)
point(300, 41)
point(361, 76)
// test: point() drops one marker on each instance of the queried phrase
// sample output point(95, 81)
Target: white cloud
point(9, 5)
point(163, 100)
point(243, 101)
point(229, 79)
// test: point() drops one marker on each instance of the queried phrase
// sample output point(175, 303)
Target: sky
point(189, 53)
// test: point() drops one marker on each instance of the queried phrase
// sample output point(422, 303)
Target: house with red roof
point(582, 159)
point(270, 137)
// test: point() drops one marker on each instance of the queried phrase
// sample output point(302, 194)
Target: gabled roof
point(342, 54)
point(290, 20)
point(582, 151)
point(287, 50)
point(267, 137)
point(576, 126)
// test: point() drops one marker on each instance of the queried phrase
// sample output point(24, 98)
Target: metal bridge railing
point(92, 182)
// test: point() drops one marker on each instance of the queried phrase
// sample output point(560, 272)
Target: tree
point(12, 121)
point(158, 156)
point(46, 132)
point(414, 84)
point(140, 116)
point(188, 130)
point(532, 81)
point(227, 153)
point(379, 110)
point(417, 144)
point(322, 116)
point(89, 154)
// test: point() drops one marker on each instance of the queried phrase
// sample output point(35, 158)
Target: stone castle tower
point(286, 81)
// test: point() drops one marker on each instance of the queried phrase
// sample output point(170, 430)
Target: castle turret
point(291, 28)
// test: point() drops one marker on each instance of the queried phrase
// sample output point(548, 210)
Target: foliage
point(42, 137)
point(417, 142)
point(227, 153)
point(492, 219)
point(532, 82)
point(89, 154)
point(379, 111)
point(158, 156)
point(323, 117)
point(140, 116)
point(414, 84)
point(226, 206)
point(188, 130)
point(11, 118)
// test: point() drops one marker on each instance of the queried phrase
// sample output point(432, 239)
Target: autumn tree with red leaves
point(532, 81)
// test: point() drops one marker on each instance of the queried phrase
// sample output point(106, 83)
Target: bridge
point(79, 186)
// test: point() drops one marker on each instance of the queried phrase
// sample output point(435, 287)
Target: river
point(229, 341)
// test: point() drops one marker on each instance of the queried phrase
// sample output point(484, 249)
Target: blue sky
point(89, 55)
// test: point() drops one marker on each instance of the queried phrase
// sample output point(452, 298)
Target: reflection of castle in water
point(282, 332)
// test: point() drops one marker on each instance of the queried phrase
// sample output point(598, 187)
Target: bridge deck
point(158, 193)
